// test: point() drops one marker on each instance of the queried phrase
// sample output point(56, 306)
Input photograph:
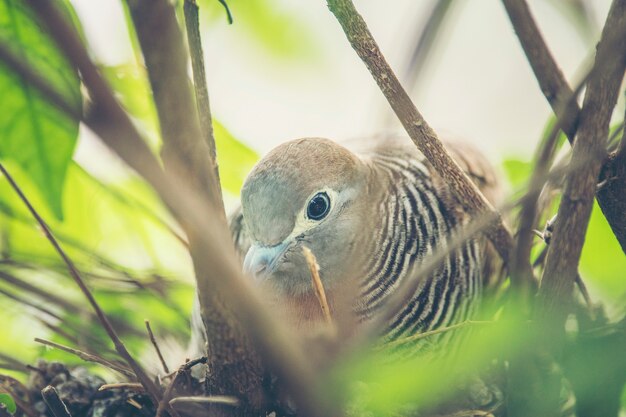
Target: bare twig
point(108, 120)
point(576, 203)
point(466, 192)
point(194, 40)
point(420, 336)
point(54, 402)
point(89, 357)
point(318, 286)
point(134, 386)
point(167, 396)
point(215, 399)
point(119, 346)
point(156, 347)
point(548, 74)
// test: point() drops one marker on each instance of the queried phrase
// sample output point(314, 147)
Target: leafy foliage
point(34, 132)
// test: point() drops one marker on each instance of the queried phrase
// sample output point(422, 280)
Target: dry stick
point(423, 335)
point(576, 203)
point(151, 388)
point(214, 399)
point(548, 74)
point(466, 192)
point(314, 268)
point(165, 401)
point(192, 25)
point(14, 362)
point(134, 386)
point(89, 357)
point(156, 347)
point(54, 402)
point(109, 121)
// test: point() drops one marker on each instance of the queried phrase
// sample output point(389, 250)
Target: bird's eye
point(318, 207)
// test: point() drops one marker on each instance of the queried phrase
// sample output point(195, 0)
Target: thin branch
point(318, 286)
point(466, 192)
point(133, 386)
point(577, 200)
point(214, 399)
point(156, 347)
point(548, 74)
point(184, 152)
point(54, 402)
point(420, 336)
point(194, 40)
point(119, 346)
point(89, 357)
point(109, 121)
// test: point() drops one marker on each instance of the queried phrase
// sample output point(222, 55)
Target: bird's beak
point(261, 260)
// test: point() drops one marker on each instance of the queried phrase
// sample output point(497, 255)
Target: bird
point(371, 211)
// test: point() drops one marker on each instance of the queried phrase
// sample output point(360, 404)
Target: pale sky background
point(477, 84)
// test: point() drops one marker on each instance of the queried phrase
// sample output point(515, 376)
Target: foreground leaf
point(33, 132)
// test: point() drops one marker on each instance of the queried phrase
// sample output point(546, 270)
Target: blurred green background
point(282, 70)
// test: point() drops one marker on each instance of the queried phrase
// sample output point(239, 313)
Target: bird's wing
point(239, 233)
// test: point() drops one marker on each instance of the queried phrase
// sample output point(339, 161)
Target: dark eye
point(318, 207)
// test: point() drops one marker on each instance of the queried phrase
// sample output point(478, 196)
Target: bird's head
point(306, 192)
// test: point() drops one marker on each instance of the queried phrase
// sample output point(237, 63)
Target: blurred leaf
point(235, 159)
point(603, 264)
point(278, 31)
point(517, 172)
point(131, 87)
point(35, 133)
point(7, 401)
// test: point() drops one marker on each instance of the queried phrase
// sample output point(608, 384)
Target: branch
point(419, 131)
point(151, 388)
point(556, 90)
point(54, 402)
point(194, 41)
point(577, 200)
point(548, 74)
point(166, 61)
point(109, 121)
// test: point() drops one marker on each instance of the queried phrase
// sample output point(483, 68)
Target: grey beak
point(261, 260)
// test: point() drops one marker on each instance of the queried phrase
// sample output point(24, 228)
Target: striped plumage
point(388, 212)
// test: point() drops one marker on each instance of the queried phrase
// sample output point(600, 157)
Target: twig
point(133, 386)
point(466, 192)
point(194, 40)
point(229, 16)
point(424, 335)
point(184, 152)
point(151, 388)
point(54, 402)
point(89, 357)
point(548, 74)
point(223, 276)
point(165, 401)
point(214, 399)
point(576, 203)
point(156, 347)
point(318, 286)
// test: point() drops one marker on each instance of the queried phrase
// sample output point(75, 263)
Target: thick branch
point(235, 368)
point(577, 201)
point(113, 126)
point(192, 25)
point(548, 74)
point(419, 131)
point(184, 151)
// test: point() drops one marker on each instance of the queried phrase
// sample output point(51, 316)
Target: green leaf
point(33, 132)
point(7, 401)
point(270, 24)
point(603, 263)
point(234, 158)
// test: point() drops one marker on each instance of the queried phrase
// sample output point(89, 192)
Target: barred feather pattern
point(415, 222)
